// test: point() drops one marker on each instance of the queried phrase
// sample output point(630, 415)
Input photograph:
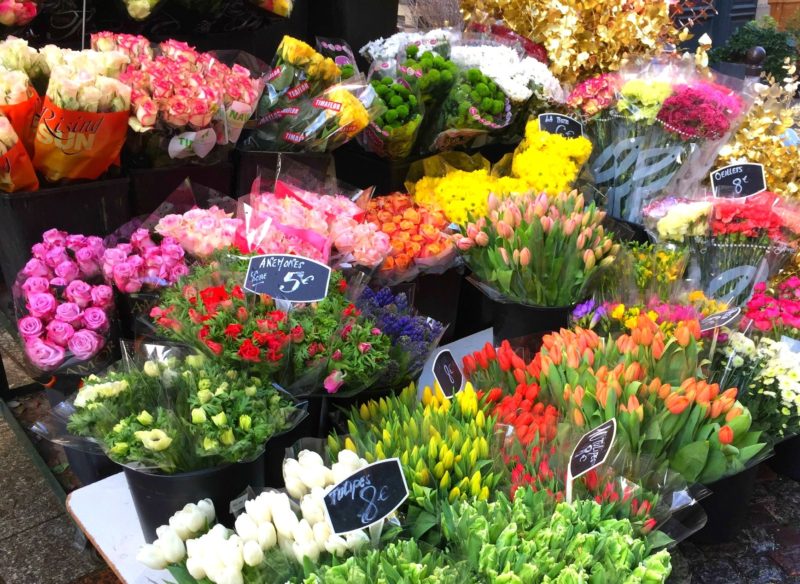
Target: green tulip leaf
point(690, 460)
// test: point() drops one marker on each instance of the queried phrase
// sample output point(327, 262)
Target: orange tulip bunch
point(417, 236)
point(652, 383)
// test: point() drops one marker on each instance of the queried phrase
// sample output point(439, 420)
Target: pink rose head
point(140, 239)
point(70, 313)
point(30, 326)
point(39, 250)
point(177, 272)
point(170, 224)
point(58, 282)
point(102, 296)
point(55, 256)
point(172, 253)
point(42, 305)
point(36, 267)
point(137, 262)
point(95, 319)
point(96, 245)
point(85, 344)
point(79, 292)
point(59, 332)
point(43, 355)
point(54, 237)
point(75, 242)
point(35, 285)
point(67, 270)
point(87, 262)
point(126, 278)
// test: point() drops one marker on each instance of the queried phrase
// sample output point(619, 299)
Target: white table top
point(105, 513)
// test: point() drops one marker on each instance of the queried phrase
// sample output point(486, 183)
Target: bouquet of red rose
point(749, 239)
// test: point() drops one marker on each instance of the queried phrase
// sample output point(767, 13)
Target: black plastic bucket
point(89, 467)
point(158, 496)
point(525, 326)
point(134, 314)
point(786, 461)
point(727, 507)
point(436, 296)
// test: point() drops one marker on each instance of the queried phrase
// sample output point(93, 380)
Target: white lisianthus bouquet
point(276, 531)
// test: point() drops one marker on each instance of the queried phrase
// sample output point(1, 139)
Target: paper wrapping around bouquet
point(16, 171)
point(22, 116)
point(77, 145)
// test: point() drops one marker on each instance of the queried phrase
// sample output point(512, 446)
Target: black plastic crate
point(90, 208)
point(151, 186)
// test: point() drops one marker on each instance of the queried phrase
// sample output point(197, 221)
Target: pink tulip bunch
point(144, 264)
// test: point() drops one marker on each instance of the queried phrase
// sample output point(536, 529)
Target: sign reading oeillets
point(738, 180)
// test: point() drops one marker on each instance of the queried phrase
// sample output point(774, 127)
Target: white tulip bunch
point(184, 525)
point(272, 520)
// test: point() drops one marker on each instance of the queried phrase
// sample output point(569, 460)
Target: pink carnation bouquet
point(143, 264)
point(200, 232)
point(775, 312)
point(62, 317)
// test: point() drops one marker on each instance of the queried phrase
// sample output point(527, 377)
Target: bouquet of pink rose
point(144, 264)
point(200, 232)
point(63, 319)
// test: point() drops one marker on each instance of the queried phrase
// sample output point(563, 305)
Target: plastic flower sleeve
point(319, 122)
point(65, 314)
point(474, 108)
point(16, 170)
point(243, 84)
point(394, 133)
point(342, 55)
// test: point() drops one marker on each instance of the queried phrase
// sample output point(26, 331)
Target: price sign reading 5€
point(287, 277)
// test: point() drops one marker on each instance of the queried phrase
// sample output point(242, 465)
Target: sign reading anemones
point(288, 277)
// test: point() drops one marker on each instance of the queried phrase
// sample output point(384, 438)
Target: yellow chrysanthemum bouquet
point(460, 185)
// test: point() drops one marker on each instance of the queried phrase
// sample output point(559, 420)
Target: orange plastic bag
point(16, 171)
point(77, 145)
point(23, 118)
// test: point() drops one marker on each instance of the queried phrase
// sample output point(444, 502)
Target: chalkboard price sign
point(720, 319)
point(592, 450)
point(447, 373)
point(562, 125)
point(288, 277)
point(739, 180)
point(367, 496)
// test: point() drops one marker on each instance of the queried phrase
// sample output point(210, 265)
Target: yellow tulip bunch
point(443, 444)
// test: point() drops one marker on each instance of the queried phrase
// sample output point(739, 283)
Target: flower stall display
point(535, 256)
point(417, 234)
point(17, 172)
point(651, 383)
point(64, 311)
point(96, 106)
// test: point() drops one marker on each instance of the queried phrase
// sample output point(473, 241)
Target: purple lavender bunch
point(414, 337)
